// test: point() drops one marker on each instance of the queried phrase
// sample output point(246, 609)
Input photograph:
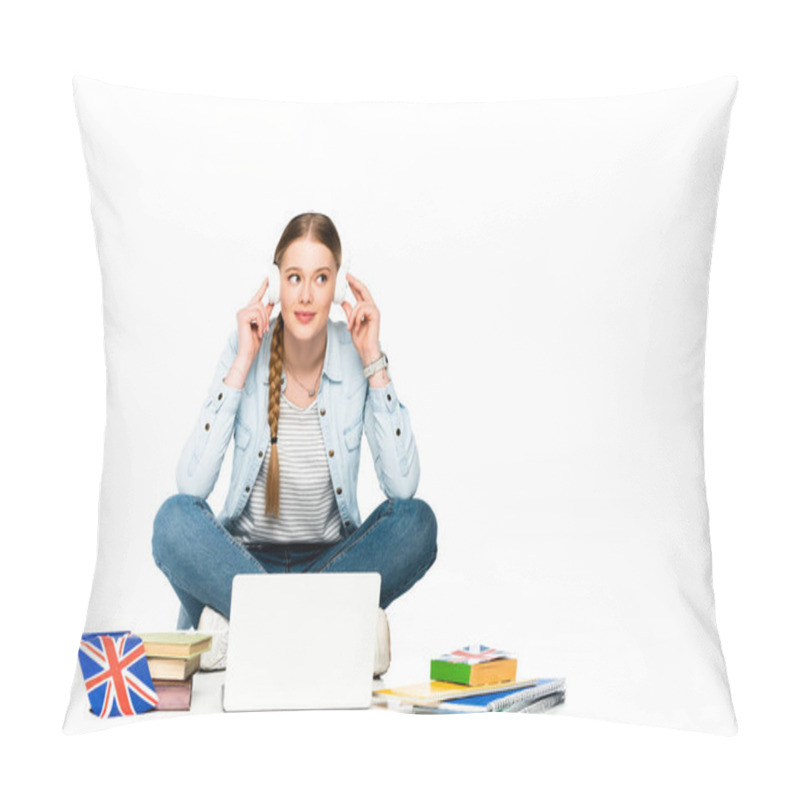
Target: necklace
point(311, 392)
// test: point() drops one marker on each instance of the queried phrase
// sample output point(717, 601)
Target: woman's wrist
point(367, 359)
point(380, 379)
point(237, 374)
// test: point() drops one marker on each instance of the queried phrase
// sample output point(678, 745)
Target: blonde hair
point(318, 228)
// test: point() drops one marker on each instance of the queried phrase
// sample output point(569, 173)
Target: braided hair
point(275, 376)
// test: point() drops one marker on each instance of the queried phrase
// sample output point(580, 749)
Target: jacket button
point(247, 488)
point(388, 397)
point(347, 523)
point(260, 454)
point(398, 431)
point(322, 412)
point(207, 426)
point(330, 453)
point(219, 396)
point(338, 490)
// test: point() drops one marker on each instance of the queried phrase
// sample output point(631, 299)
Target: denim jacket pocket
point(241, 435)
point(352, 435)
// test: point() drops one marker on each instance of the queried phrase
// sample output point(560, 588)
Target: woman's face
point(308, 280)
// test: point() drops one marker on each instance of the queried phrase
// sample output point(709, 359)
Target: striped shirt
point(308, 511)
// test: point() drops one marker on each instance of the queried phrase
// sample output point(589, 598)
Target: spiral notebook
point(547, 692)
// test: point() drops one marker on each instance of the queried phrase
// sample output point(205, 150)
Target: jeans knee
point(168, 527)
point(424, 525)
point(431, 527)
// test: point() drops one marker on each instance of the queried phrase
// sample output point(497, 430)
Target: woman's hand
point(252, 323)
point(363, 322)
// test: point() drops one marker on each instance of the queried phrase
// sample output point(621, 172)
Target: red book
point(173, 695)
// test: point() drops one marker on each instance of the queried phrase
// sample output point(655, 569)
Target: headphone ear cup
point(340, 292)
point(274, 287)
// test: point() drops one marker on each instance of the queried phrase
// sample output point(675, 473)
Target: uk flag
point(474, 654)
point(116, 674)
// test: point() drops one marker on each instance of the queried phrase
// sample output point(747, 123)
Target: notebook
point(546, 693)
point(301, 641)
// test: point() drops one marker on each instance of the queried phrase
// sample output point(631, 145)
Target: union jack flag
point(116, 674)
point(473, 654)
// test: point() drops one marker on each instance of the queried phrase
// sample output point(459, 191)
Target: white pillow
point(541, 268)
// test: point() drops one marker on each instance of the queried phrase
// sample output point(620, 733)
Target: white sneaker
point(213, 622)
point(383, 648)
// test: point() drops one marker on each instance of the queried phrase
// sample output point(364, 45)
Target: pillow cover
point(541, 269)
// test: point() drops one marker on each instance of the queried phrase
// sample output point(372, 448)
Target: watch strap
point(376, 366)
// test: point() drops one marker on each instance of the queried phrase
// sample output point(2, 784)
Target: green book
point(175, 644)
point(474, 665)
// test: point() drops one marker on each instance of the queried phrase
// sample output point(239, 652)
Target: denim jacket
point(347, 405)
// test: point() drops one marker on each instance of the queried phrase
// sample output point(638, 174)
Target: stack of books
point(173, 658)
point(474, 678)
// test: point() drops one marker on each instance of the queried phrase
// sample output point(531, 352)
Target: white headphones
point(274, 287)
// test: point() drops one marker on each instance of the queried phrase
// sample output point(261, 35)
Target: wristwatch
point(376, 366)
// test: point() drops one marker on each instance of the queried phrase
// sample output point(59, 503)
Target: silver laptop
point(301, 640)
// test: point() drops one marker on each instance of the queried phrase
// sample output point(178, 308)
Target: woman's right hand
point(252, 323)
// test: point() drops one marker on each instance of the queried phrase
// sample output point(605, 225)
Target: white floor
point(206, 699)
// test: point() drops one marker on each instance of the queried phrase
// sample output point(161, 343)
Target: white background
point(52, 316)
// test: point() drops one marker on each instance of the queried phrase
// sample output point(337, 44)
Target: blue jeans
point(200, 557)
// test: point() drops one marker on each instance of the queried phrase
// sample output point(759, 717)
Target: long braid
point(275, 379)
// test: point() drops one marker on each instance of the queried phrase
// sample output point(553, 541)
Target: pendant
point(312, 392)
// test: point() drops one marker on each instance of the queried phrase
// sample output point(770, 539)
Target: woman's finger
point(352, 316)
point(260, 291)
point(355, 318)
point(359, 289)
point(364, 315)
point(348, 310)
point(266, 313)
point(255, 312)
point(355, 287)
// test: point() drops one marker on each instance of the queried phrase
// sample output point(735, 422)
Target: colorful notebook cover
point(531, 707)
point(115, 671)
point(508, 699)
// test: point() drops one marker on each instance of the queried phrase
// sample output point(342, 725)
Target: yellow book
point(173, 669)
point(175, 644)
point(432, 692)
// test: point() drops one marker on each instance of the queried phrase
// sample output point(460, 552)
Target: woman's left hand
point(363, 321)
